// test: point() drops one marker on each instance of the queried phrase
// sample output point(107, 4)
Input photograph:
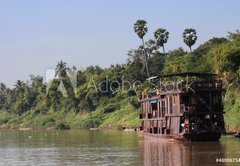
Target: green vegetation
point(104, 97)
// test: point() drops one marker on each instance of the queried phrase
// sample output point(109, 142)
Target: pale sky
point(35, 35)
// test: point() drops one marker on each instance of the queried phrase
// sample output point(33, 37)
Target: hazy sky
point(35, 35)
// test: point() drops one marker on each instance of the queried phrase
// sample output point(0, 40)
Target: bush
point(46, 121)
point(62, 126)
point(93, 122)
point(111, 107)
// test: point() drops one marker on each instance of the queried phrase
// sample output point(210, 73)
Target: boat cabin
point(189, 105)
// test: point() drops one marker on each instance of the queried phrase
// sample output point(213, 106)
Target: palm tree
point(61, 70)
point(18, 84)
point(161, 35)
point(141, 30)
point(190, 37)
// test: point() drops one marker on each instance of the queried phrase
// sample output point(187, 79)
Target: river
point(83, 147)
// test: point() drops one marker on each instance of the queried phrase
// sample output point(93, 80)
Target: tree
point(135, 63)
point(190, 37)
point(36, 81)
point(18, 84)
point(141, 30)
point(3, 87)
point(151, 48)
point(161, 35)
point(233, 35)
point(61, 70)
point(5, 96)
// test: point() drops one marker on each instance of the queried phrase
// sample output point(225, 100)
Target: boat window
point(170, 104)
point(185, 100)
point(192, 100)
point(153, 104)
point(163, 103)
point(217, 102)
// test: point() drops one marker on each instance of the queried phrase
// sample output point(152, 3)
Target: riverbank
point(108, 127)
point(116, 120)
point(111, 115)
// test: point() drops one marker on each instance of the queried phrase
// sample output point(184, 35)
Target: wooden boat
point(190, 109)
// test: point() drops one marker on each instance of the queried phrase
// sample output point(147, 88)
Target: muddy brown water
point(83, 147)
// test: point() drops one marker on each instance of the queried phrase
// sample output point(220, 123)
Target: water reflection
point(108, 148)
point(159, 153)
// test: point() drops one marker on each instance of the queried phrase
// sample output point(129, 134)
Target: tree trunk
point(190, 49)
point(163, 49)
point(145, 58)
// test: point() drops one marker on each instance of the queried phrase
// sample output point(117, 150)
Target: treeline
point(102, 97)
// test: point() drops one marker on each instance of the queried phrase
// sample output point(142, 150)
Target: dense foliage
point(110, 96)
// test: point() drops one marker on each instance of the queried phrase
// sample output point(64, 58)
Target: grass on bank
point(112, 113)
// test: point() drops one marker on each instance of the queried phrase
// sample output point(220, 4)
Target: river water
point(110, 148)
